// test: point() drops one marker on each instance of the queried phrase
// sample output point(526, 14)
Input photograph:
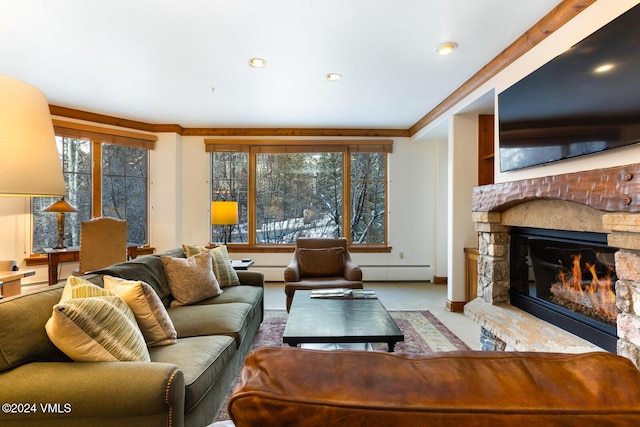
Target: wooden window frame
point(347, 147)
point(97, 136)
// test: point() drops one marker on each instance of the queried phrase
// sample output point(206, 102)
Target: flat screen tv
point(584, 101)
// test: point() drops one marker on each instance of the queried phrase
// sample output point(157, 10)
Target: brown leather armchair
point(319, 263)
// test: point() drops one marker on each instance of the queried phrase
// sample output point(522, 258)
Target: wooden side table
point(471, 273)
point(11, 282)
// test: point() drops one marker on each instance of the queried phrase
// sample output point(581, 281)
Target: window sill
point(239, 247)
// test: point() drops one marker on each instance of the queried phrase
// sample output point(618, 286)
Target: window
point(124, 188)
point(298, 195)
point(75, 157)
point(368, 198)
point(305, 189)
point(230, 181)
point(106, 174)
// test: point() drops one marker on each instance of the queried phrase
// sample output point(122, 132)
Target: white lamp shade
point(224, 213)
point(29, 161)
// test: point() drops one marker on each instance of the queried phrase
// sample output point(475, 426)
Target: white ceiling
point(186, 62)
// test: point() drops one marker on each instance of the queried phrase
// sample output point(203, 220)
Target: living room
point(420, 158)
point(435, 209)
point(435, 155)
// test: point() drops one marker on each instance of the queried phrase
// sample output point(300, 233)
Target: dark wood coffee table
point(318, 320)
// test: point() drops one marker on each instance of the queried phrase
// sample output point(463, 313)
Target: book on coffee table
point(338, 293)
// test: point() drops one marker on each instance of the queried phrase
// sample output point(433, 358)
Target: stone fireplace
point(603, 201)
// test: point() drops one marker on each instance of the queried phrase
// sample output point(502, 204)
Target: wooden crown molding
point(553, 20)
point(158, 128)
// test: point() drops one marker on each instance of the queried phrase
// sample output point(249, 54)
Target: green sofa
point(185, 384)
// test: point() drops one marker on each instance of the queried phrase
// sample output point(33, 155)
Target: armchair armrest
point(352, 271)
point(94, 393)
point(292, 271)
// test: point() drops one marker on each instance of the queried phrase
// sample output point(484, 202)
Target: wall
point(413, 183)
point(179, 212)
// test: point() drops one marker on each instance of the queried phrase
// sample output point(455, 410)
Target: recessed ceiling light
point(332, 77)
point(445, 48)
point(604, 68)
point(258, 62)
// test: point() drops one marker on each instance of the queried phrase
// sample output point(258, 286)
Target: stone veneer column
point(493, 268)
point(625, 234)
point(493, 257)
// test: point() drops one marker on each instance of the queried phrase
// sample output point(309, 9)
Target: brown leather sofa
point(297, 387)
point(320, 263)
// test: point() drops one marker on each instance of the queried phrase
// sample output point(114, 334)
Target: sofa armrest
point(251, 277)
point(93, 393)
point(292, 271)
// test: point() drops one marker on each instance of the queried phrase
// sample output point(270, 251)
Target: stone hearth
point(601, 201)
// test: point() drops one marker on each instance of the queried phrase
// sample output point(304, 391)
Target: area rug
point(423, 333)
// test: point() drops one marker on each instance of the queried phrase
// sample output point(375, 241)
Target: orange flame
point(597, 295)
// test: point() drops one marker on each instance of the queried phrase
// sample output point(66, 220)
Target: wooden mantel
point(615, 189)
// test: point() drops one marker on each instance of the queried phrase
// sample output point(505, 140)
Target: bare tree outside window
point(298, 195)
point(368, 198)
point(124, 188)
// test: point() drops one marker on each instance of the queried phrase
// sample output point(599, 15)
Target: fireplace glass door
point(567, 279)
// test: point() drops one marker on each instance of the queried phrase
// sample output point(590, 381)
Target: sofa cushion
point(151, 315)
point(323, 262)
point(96, 329)
point(191, 279)
point(23, 337)
point(222, 268)
point(231, 319)
point(246, 294)
point(201, 359)
point(148, 269)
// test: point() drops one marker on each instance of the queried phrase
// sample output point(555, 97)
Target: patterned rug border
point(424, 332)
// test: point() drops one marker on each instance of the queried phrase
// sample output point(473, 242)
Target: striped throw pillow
point(99, 327)
point(222, 268)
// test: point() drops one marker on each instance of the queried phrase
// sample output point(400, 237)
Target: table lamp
point(29, 164)
point(61, 207)
point(224, 213)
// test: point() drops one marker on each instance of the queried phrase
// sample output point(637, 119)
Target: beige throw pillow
point(322, 262)
point(151, 315)
point(96, 327)
point(191, 279)
point(224, 272)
